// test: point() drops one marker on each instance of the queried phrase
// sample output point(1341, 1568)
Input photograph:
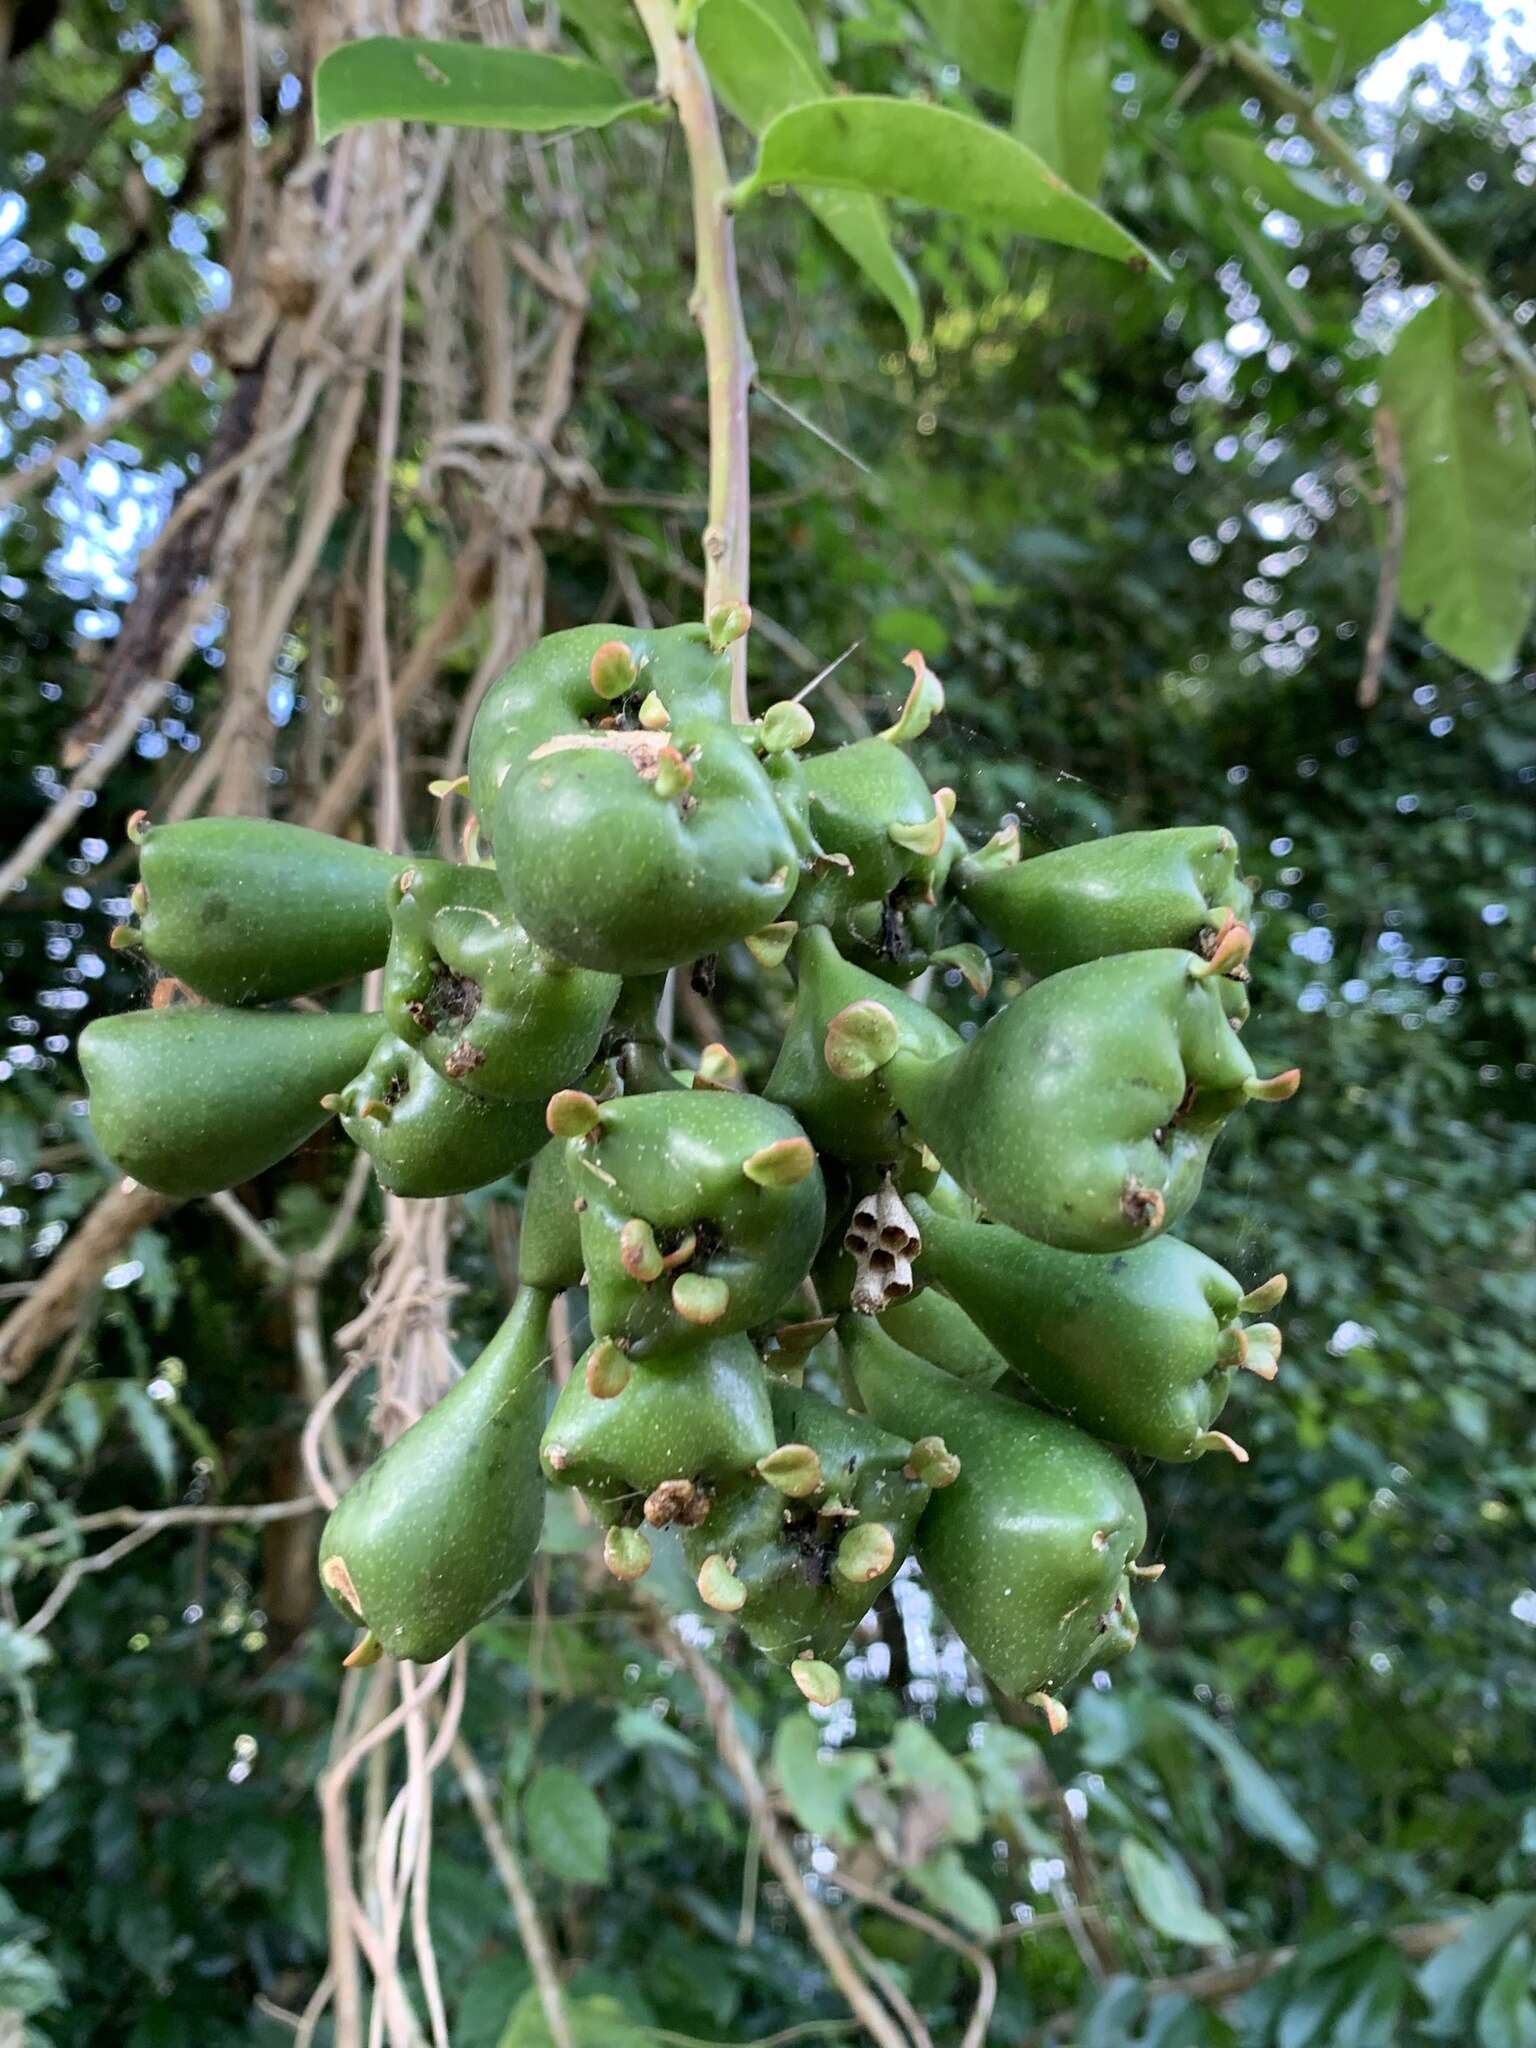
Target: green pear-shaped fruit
point(1126, 894)
point(633, 852)
point(487, 1007)
point(1083, 1114)
point(443, 1527)
point(870, 812)
point(589, 679)
point(1140, 1347)
point(245, 910)
point(940, 1330)
point(1027, 1551)
point(805, 1551)
point(190, 1098)
point(425, 1136)
point(899, 936)
point(621, 1428)
point(851, 1116)
point(701, 1212)
point(549, 1242)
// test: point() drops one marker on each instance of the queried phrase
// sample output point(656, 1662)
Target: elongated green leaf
point(568, 1830)
point(984, 37)
point(1260, 1805)
point(462, 85)
point(1335, 39)
point(943, 1881)
point(1061, 102)
point(151, 1428)
point(918, 1760)
point(761, 67)
point(1307, 195)
point(819, 1788)
point(1468, 573)
point(1224, 18)
point(1453, 1981)
point(908, 149)
point(1165, 1897)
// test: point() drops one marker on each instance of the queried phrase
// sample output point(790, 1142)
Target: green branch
point(716, 306)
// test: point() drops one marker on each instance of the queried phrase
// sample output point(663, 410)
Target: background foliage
point(1138, 528)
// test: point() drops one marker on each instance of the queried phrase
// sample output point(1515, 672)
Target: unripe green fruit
point(1126, 894)
point(699, 1416)
point(1027, 1551)
point(443, 1527)
point(856, 795)
point(1083, 1114)
point(191, 1098)
point(549, 1243)
point(548, 693)
point(940, 1330)
point(486, 1006)
point(897, 937)
point(1140, 1347)
point(809, 1564)
point(852, 1119)
point(244, 910)
point(612, 866)
point(425, 1136)
point(702, 1212)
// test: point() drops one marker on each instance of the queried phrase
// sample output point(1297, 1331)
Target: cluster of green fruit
point(899, 1302)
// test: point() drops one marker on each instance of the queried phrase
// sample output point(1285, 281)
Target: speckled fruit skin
point(855, 1120)
point(548, 692)
point(443, 1527)
point(1125, 1346)
point(785, 1551)
point(609, 872)
point(432, 1138)
point(941, 1331)
point(855, 794)
point(194, 1098)
point(1027, 1551)
point(1068, 1115)
point(675, 1160)
point(245, 910)
point(1126, 894)
point(487, 1007)
point(700, 1414)
point(549, 1242)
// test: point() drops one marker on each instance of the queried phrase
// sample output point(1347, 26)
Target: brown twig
point(813, 1915)
point(1224, 1981)
point(975, 2034)
point(508, 1866)
point(67, 1286)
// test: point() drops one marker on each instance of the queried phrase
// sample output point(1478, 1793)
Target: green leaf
point(1335, 39)
point(462, 85)
point(1261, 1807)
point(943, 1881)
point(1452, 1981)
point(28, 1981)
point(908, 149)
point(81, 1407)
point(20, 1653)
point(568, 1831)
point(1307, 195)
point(983, 36)
point(1061, 103)
point(151, 1428)
point(1166, 1898)
point(638, 1728)
point(594, 2023)
point(1223, 18)
point(819, 1788)
point(1506, 2017)
point(919, 1762)
point(761, 68)
point(46, 1754)
point(1468, 572)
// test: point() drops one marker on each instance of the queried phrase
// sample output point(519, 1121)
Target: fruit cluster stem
point(1441, 260)
point(716, 305)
